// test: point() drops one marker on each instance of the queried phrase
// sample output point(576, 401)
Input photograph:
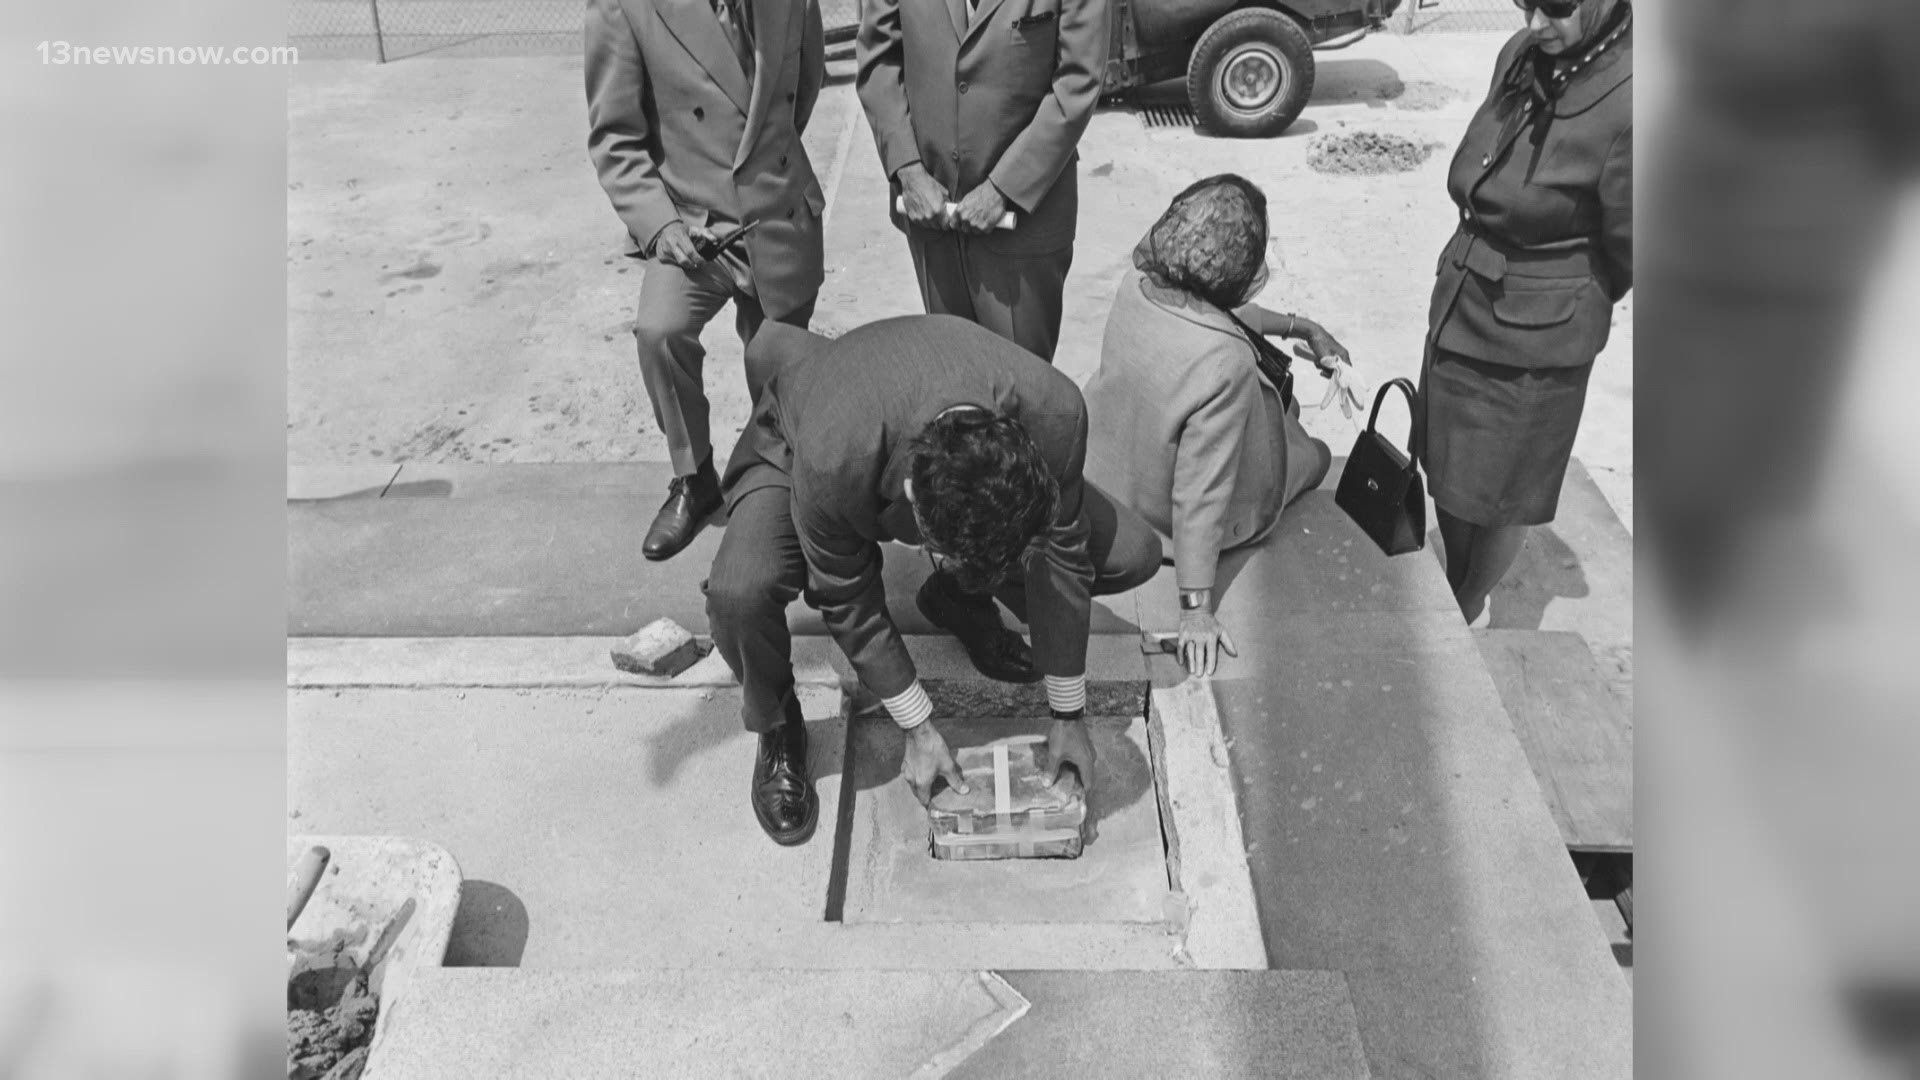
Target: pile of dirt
point(1367, 153)
point(1421, 96)
point(331, 1043)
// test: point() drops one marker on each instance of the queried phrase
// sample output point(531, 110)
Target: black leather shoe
point(691, 500)
point(997, 652)
point(784, 800)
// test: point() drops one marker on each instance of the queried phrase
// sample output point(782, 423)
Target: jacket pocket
point(1537, 303)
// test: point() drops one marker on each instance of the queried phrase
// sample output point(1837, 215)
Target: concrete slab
point(1121, 876)
point(1576, 575)
point(1396, 833)
point(644, 481)
point(610, 828)
point(692, 1023)
point(1271, 1025)
point(532, 564)
point(455, 285)
point(1577, 734)
point(540, 356)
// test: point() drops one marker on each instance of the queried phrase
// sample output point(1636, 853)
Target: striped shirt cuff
point(910, 707)
point(1067, 693)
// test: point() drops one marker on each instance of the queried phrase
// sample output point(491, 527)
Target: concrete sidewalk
point(456, 294)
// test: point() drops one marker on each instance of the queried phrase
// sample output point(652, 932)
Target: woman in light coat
point(1184, 426)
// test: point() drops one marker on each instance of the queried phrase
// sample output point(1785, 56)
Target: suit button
point(963, 88)
point(789, 95)
point(699, 113)
point(1486, 161)
point(783, 161)
point(789, 213)
point(954, 154)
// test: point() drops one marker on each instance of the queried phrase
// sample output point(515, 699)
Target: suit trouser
point(675, 305)
point(1019, 297)
point(760, 569)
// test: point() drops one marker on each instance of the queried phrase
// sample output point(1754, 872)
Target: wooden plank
point(1577, 733)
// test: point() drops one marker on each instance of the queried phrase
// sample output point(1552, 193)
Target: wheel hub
point(1252, 77)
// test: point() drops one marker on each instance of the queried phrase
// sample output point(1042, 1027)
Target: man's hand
point(982, 209)
point(928, 758)
point(1069, 748)
point(925, 200)
point(675, 245)
point(1319, 346)
point(1202, 639)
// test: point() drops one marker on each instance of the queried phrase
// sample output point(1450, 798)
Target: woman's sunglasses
point(1553, 9)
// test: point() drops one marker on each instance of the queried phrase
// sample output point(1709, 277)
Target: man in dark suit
point(926, 430)
point(981, 103)
point(696, 109)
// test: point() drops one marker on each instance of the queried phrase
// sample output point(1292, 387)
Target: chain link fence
point(1437, 16)
point(395, 29)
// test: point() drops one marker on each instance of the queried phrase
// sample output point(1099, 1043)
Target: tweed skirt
point(1495, 440)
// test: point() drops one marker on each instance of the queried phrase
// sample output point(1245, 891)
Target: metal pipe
point(379, 39)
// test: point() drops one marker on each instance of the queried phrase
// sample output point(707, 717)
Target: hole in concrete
point(884, 873)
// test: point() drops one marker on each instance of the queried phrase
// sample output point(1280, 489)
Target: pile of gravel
point(1367, 153)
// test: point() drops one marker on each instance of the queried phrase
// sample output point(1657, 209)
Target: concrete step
point(872, 1023)
point(519, 550)
point(1576, 575)
point(1394, 828)
point(1577, 732)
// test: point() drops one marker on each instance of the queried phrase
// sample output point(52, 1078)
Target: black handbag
point(1381, 488)
point(1272, 361)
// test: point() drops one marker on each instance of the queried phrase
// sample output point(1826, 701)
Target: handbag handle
point(1373, 418)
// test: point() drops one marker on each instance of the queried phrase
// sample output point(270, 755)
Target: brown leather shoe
point(784, 799)
point(691, 500)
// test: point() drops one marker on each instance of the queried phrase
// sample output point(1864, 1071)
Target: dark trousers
point(1019, 297)
point(760, 570)
point(675, 305)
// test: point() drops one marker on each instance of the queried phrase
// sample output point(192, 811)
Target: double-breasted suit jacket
point(1545, 242)
point(679, 131)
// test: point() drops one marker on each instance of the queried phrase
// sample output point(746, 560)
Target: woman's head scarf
point(1211, 242)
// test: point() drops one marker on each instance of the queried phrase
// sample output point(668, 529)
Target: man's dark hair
point(981, 493)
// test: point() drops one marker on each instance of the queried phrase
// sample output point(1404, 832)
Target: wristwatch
point(1074, 714)
point(1194, 600)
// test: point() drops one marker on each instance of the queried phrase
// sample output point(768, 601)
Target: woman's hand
point(1202, 639)
point(1326, 351)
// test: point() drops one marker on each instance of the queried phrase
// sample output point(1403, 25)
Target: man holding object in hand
point(930, 431)
point(695, 110)
point(981, 104)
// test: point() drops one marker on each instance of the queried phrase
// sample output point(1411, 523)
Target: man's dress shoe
point(997, 652)
point(691, 500)
point(784, 800)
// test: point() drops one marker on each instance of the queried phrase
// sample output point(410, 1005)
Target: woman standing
point(1526, 287)
point(1184, 426)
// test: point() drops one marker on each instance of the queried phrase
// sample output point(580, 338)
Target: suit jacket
point(1545, 244)
point(1185, 429)
point(834, 423)
point(1001, 95)
point(677, 131)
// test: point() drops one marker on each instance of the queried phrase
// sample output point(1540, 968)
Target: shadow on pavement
point(489, 929)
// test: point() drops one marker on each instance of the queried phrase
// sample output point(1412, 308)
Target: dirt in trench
point(329, 1043)
point(1420, 95)
point(1368, 153)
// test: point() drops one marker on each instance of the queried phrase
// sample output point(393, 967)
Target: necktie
point(734, 24)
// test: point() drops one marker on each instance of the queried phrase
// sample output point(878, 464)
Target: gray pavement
point(456, 294)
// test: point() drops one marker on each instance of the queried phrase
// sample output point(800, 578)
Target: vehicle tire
point(1251, 73)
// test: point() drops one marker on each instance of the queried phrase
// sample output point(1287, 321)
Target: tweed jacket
point(1001, 94)
point(1545, 243)
point(834, 422)
point(677, 131)
point(1185, 429)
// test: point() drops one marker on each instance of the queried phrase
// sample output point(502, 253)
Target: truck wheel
point(1250, 74)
